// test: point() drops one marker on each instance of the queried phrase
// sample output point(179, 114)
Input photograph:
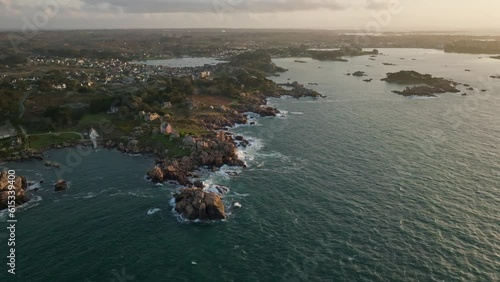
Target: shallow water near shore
point(364, 185)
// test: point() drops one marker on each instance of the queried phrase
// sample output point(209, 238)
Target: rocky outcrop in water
point(52, 164)
point(298, 91)
point(266, 111)
point(194, 203)
point(156, 175)
point(61, 185)
point(20, 184)
point(426, 84)
point(359, 74)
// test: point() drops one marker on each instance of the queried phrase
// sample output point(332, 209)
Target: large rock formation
point(20, 185)
point(426, 84)
point(214, 151)
point(194, 203)
point(156, 175)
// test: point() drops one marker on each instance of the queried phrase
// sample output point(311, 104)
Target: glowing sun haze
point(393, 15)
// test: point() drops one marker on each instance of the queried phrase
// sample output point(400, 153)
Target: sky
point(361, 15)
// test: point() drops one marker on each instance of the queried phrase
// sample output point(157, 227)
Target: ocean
point(365, 185)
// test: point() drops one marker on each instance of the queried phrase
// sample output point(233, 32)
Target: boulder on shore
point(156, 175)
point(20, 185)
point(194, 203)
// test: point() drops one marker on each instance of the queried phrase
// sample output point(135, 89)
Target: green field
point(94, 119)
point(172, 145)
point(5, 143)
point(44, 140)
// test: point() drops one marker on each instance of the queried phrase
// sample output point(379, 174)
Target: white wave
point(35, 201)
point(274, 155)
point(296, 113)
point(282, 114)
point(33, 186)
point(247, 154)
point(217, 189)
point(153, 211)
point(89, 195)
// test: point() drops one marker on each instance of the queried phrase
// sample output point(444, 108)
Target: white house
point(205, 74)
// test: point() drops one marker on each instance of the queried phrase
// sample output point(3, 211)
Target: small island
point(424, 84)
point(337, 55)
point(359, 74)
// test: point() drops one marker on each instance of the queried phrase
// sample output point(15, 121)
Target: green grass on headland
point(94, 119)
point(172, 145)
point(44, 140)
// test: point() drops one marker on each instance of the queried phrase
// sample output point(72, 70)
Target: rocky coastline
point(193, 202)
point(210, 151)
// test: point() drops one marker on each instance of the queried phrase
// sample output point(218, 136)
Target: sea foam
point(153, 211)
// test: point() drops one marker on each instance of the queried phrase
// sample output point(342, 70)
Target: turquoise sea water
point(365, 185)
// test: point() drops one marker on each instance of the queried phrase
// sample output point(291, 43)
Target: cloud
point(252, 6)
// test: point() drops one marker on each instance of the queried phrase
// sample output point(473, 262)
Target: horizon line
point(341, 30)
